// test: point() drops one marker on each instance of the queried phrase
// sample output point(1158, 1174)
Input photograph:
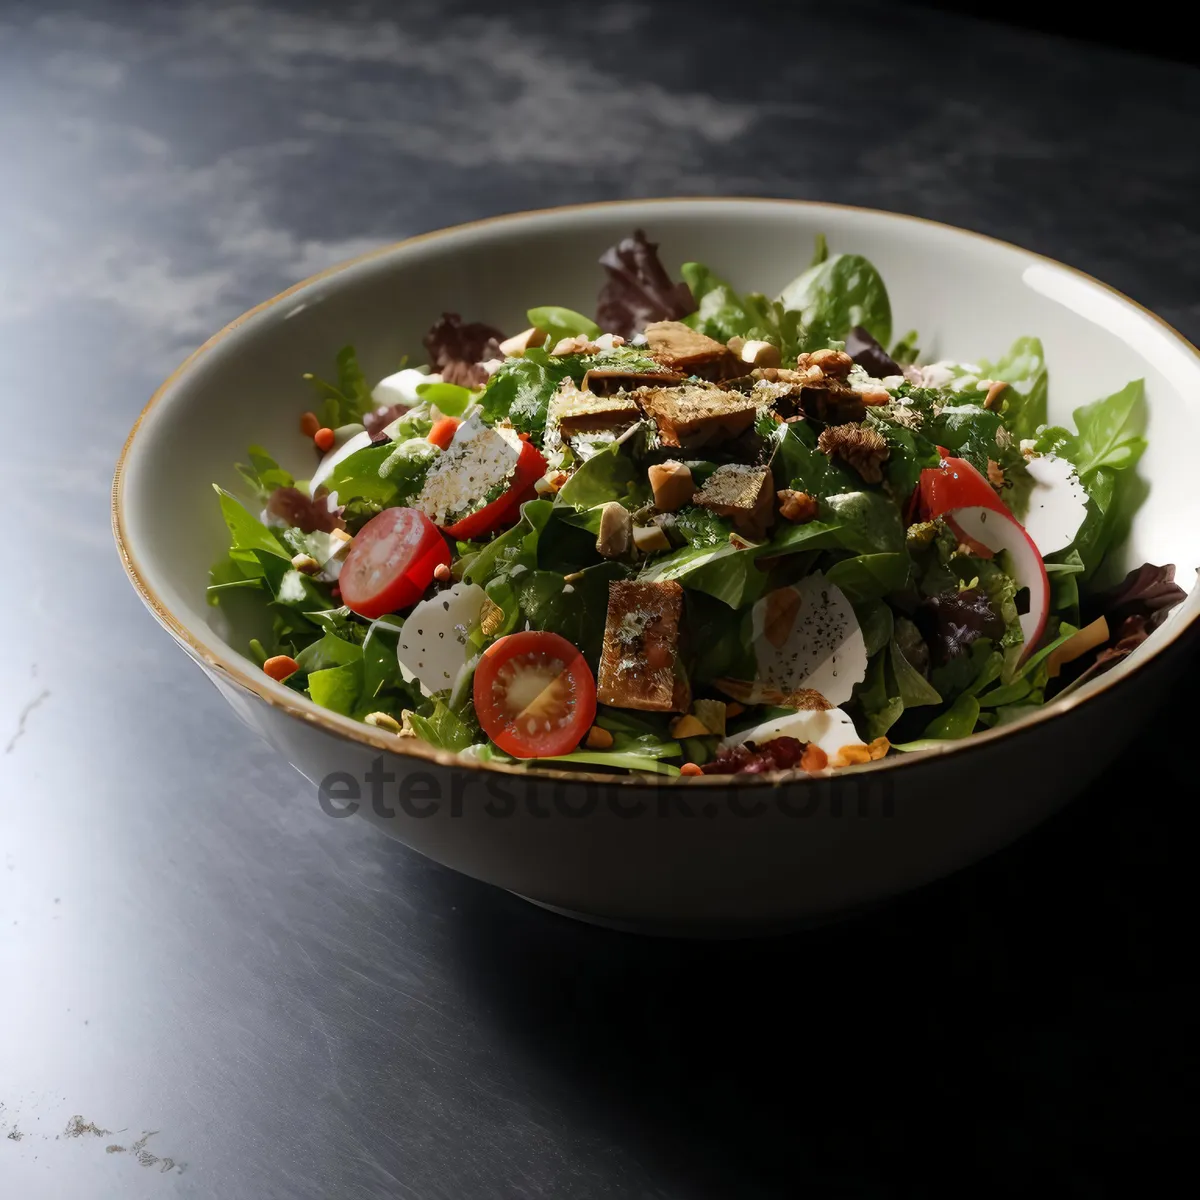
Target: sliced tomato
point(505, 509)
point(392, 562)
point(535, 695)
point(955, 484)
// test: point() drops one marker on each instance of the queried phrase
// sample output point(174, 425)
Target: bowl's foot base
point(714, 932)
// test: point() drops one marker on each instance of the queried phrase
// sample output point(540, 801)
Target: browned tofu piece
point(608, 382)
point(744, 494)
point(681, 349)
point(697, 414)
point(641, 645)
point(575, 412)
point(792, 394)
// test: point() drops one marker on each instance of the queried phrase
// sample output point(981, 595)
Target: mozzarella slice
point(356, 438)
point(831, 729)
point(433, 643)
point(1057, 503)
point(401, 388)
point(807, 636)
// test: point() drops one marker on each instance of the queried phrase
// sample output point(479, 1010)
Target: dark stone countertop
point(258, 1001)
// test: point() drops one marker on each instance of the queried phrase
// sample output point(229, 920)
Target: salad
point(706, 532)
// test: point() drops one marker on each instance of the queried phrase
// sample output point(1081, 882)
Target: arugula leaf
point(562, 323)
point(442, 728)
point(347, 401)
point(836, 294)
point(248, 534)
point(264, 474)
point(1023, 402)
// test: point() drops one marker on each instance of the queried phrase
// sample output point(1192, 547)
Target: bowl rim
point(236, 668)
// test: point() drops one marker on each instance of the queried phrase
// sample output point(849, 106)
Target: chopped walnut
point(995, 473)
point(797, 507)
point(863, 449)
point(873, 396)
point(920, 534)
point(834, 363)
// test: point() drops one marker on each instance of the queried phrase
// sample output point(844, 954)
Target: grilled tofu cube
point(744, 494)
point(641, 646)
point(697, 414)
point(574, 412)
point(606, 381)
point(681, 349)
point(792, 394)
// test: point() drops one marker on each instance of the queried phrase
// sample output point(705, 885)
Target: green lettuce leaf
point(1023, 402)
point(562, 323)
point(836, 294)
point(337, 688)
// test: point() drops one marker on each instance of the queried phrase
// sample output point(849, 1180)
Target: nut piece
point(797, 507)
point(523, 341)
point(616, 531)
point(442, 573)
point(680, 348)
point(865, 450)
point(551, 483)
point(879, 748)
point(579, 344)
point(650, 538)
point(598, 739)
point(305, 564)
point(672, 484)
point(835, 364)
point(871, 396)
point(759, 354)
point(995, 473)
point(852, 755)
point(992, 399)
point(384, 721)
point(688, 726)
point(744, 494)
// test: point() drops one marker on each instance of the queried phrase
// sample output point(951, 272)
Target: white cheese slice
point(351, 444)
point(1057, 503)
point(433, 643)
point(807, 636)
point(478, 462)
point(831, 729)
point(401, 388)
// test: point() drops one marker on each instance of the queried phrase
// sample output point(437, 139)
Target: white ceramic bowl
point(693, 855)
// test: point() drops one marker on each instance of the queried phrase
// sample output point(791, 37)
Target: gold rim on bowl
point(237, 669)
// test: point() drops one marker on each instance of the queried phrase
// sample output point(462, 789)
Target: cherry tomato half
point(534, 694)
point(504, 510)
point(392, 562)
point(956, 484)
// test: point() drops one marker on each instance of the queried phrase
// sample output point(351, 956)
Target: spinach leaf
point(328, 651)
point(337, 688)
point(610, 474)
point(575, 610)
point(836, 294)
point(958, 721)
point(515, 547)
point(720, 312)
point(869, 576)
